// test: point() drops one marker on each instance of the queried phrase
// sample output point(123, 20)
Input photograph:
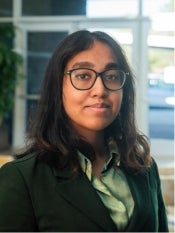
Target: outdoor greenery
point(9, 62)
point(159, 58)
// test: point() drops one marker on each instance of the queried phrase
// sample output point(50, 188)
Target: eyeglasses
point(85, 78)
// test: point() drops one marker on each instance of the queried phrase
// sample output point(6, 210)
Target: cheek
point(71, 98)
point(69, 102)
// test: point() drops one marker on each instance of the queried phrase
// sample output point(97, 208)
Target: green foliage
point(159, 58)
point(9, 61)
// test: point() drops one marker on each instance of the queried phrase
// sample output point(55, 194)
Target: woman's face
point(94, 109)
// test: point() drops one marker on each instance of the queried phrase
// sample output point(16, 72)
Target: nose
point(98, 88)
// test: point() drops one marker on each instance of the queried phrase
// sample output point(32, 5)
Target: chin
point(98, 127)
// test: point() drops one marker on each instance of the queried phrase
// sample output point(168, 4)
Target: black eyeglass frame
point(100, 74)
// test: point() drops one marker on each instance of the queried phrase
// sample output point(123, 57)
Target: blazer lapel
point(81, 194)
point(139, 186)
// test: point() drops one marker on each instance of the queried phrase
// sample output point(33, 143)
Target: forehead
point(99, 54)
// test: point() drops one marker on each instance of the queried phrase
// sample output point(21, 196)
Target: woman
point(87, 167)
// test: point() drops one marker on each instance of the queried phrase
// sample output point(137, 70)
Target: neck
point(101, 156)
point(96, 139)
point(98, 143)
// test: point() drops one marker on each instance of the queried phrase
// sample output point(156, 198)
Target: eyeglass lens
point(84, 79)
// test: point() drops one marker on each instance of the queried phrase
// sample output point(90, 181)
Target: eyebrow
point(86, 64)
point(112, 65)
point(83, 64)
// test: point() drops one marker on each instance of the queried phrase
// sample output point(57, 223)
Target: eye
point(82, 76)
point(112, 77)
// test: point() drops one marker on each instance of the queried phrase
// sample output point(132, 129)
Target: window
point(53, 7)
point(39, 49)
point(112, 8)
point(6, 8)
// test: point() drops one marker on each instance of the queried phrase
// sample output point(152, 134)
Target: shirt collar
point(114, 151)
point(113, 160)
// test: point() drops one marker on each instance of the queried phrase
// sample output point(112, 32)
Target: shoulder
point(12, 171)
point(153, 174)
point(26, 175)
point(13, 178)
point(26, 161)
point(27, 168)
point(149, 174)
point(153, 169)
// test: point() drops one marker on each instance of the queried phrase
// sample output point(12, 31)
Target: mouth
point(99, 107)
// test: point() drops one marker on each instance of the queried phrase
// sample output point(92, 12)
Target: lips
point(103, 105)
point(99, 107)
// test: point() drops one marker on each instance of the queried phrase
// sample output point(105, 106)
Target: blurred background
point(31, 30)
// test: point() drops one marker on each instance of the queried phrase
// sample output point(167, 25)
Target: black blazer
point(36, 197)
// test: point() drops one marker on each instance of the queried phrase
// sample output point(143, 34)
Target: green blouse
point(112, 187)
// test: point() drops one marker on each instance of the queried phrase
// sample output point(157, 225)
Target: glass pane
point(6, 8)
point(161, 98)
point(112, 8)
point(53, 7)
point(161, 124)
point(36, 69)
point(40, 48)
point(153, 7)
point(161, 80)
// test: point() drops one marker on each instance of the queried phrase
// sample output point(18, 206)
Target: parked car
point(160, 92)
point(161, 107)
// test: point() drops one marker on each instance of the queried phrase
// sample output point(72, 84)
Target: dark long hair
point(51, 135)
